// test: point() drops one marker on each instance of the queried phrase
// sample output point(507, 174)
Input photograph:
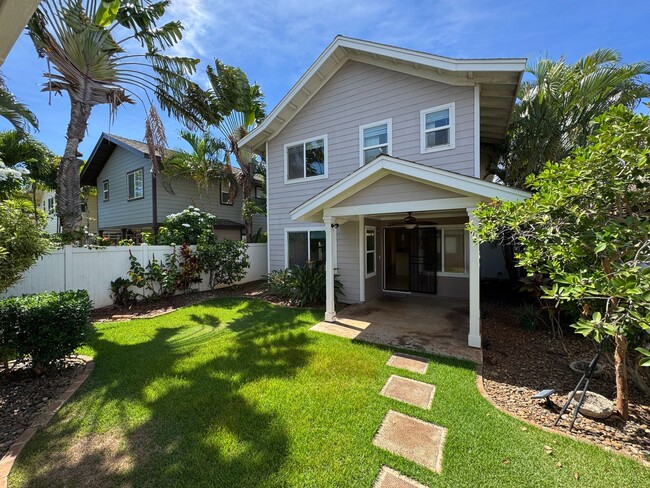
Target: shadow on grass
point(199, 429)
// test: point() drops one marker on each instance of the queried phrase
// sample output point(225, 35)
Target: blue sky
point(275, 42)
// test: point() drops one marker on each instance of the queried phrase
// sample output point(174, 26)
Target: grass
point(237, 392)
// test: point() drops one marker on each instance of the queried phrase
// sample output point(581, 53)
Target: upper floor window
point(225, 193)
point(376, 139)
point(135, 184)
point(437, 128)
point(106, 191)
point(51, 205)
point(259, 193)
point(306, 159)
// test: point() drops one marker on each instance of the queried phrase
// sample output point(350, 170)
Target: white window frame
point(287, 231)
point(374, 251)
point(442, 228)
point(452, 128)
point(106, 190)
point(51, 205)
point(134, 172)
point(222, 193)
point(389, 145)
point(304, 142)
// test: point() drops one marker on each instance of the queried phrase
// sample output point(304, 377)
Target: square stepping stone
point(415, 364)
point(389, 478)
point(409, 391)
point(413, 439)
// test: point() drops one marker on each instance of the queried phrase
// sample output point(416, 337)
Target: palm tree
point(14, 111)
point(556, 108)
point(234, 107)
point(203, 164)
point(94, 66)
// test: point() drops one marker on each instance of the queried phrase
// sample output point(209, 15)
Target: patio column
point(474, 338)
point(330, 236)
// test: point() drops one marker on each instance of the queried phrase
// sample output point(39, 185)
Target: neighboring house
point(129, 202)
point(47, 203)
point(374, 164)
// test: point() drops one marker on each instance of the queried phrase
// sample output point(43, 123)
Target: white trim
point(304, 142)
point(389, 139)
point(452, 128)
point(474, 337)
point(134, 172)
point(384, 165)
point(402, 207)
point(308, 229)
point(374, 252)
point(477, 130)
point(330, 297)
point(268, 206)
point(362, 272)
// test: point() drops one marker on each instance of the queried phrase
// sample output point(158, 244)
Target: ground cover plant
point(239, 392)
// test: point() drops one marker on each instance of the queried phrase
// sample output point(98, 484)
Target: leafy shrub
point(189, 269)
point(185, 227)
point(45, 326)
point(303, 286)
point(226, 261)
point(121, 292)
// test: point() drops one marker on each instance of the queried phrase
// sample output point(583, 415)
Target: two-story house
point(130, 198)
point(374, 161)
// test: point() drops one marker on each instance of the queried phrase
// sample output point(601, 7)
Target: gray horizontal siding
point(118, 212)
point(348, 260)
point(359, 94)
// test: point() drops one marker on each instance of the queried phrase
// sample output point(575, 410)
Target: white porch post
point(330, 235)
point(474, 338)
point(362, 259)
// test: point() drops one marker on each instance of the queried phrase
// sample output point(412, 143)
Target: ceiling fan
point(410, 222)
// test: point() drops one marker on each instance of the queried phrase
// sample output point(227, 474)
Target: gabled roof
point(384, 165)
point(498, 77)
point(103, 150)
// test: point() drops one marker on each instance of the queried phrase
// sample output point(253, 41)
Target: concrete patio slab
point(409, 391)
point(390, 478)
point(413, 439)
point(415, 364)
point(429, 324)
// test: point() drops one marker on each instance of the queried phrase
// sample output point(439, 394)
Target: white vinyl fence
point(78, 268)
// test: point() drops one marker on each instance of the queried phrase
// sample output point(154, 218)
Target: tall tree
point(105, 52)
point(234, 107)
point(555, 110)
point(15, 112)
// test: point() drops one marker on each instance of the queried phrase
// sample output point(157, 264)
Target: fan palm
point(14, 111)
point(92, 47)
point(234, 107)
point(556, 108)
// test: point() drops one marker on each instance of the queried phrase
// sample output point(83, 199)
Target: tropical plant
point(587, 227)
point(554, 110)
point(225, 260)
point(94, 67)
point(15, 112)
point(234, 107)
point(186, 227)
point(303, 286)
point(121, 292)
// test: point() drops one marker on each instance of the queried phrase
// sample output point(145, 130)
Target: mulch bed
point(23, 396)
point(519, 363)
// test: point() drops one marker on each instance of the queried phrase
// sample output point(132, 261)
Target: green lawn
point(238, 392)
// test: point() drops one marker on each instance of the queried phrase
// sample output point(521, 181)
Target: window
point(225, 193)
point(452, 250)
point(135, 184)
point(259, 193)
point(306, 159)
point(51, 206)
point(437, 128)
point(84, 208)
point(305, 246)
point(371, 251)
point(105, 190)
point(376, 139)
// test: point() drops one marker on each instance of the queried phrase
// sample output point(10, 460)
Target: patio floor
point(434, 325)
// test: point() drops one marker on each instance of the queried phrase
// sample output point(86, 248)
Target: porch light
point(409, 221)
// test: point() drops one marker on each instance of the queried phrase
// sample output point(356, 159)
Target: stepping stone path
point(389, 478)
point(409, 391)
point(406, 436)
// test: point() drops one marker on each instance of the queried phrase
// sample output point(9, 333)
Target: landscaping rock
point(594, 405)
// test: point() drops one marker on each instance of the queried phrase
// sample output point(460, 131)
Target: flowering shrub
point(185, 227)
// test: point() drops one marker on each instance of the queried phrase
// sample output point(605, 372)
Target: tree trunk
point(246, 187)
point(620, 369)
point(68, 187)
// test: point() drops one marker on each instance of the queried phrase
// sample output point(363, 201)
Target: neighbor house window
point(452, 250)
point(225, 193)
point(51, 205)
point(375, 140)
point(305, 246)
point(135, 184)
point(105, 190)
point(371, 251)
point(437, 128)
point(306, 159)
point(259, 193)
